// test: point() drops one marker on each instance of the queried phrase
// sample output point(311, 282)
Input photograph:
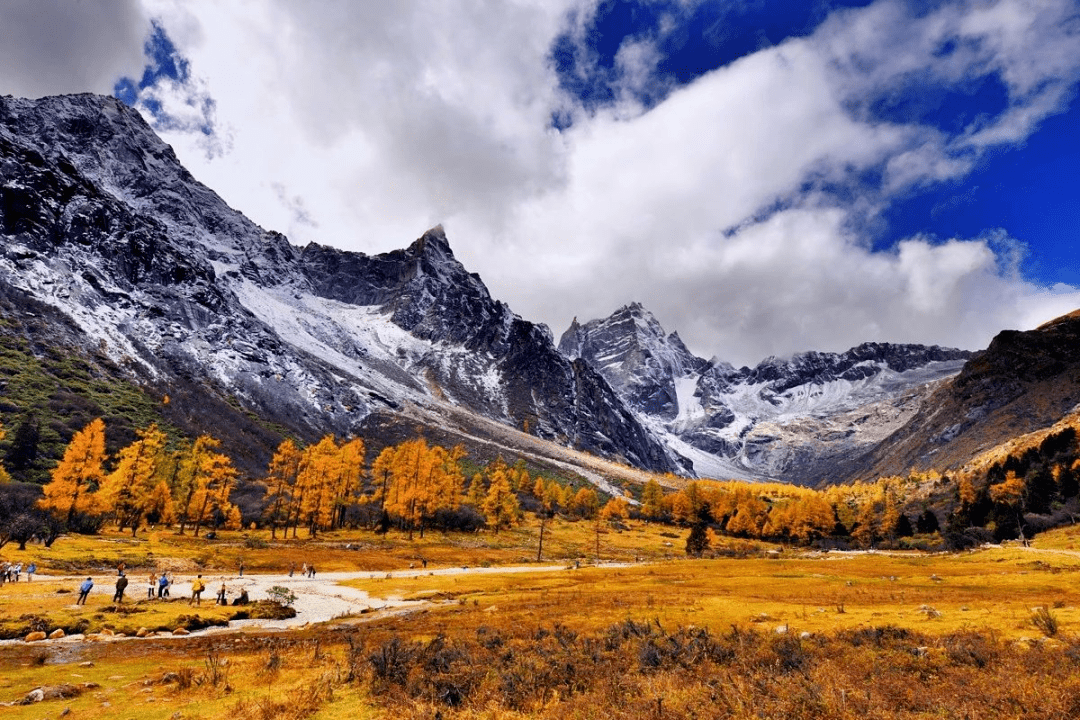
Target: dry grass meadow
point(757, 631)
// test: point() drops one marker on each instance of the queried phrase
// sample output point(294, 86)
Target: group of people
point(10, 572)
point(158, 585)
point(198, 586)
point(307, 571)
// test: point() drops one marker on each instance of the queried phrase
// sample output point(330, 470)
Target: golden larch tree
point(652, 500)
point(423, 480)
point(127, 490)
point(500, 504)
point(78, 474)
point(280, 481)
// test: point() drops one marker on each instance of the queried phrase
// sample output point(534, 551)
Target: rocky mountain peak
point(99, 221)
point(632, 350)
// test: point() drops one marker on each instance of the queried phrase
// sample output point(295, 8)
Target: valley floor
point(773, 633)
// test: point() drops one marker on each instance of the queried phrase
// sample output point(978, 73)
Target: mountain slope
point(100, 221)
point(1023, 382)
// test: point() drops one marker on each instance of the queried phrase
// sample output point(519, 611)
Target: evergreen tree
point(4, 477)
point(927, 522)
point(697, 542)
point(22, 453)
point(903, 528)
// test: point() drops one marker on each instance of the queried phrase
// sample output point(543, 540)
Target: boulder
point(57, 634)
point(35, 636)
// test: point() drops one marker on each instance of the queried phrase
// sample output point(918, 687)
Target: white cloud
point(362, 124)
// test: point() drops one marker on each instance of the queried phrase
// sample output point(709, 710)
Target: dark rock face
point(638, 358)
point(100, 221)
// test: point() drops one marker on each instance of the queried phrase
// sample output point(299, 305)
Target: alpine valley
point(122, 276)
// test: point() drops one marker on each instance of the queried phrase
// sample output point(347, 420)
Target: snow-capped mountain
point(100, 221)
point(797, 418)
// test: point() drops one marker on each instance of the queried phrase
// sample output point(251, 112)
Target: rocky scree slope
point(803, 419)
point(100, 221)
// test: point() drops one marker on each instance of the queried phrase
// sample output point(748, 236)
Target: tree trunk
point(540, 546)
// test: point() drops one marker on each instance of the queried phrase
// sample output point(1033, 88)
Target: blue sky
point(1030, 189)
point(766, 177)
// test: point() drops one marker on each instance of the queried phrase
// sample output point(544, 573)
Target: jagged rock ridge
point(802, 419)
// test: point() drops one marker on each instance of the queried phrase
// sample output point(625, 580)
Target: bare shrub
point(1045, 621)
point(969, 649)
point(217, 669)
point(185, 678)
point(391, 661)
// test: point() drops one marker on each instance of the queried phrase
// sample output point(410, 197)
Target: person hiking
point(30, 571)
point(84, 590)
point(221, 596)
point(163, 585)
point(151, 586)
point(197, 587)
point(121, 585)
point(241, 568)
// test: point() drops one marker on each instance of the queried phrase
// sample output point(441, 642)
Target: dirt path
point(1050, 551)
point(323, 598)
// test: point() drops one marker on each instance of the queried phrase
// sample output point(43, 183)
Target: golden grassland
point(349, 550)
point(771, 633)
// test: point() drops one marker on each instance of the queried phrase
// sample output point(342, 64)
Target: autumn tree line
point(414, 487)
point(327, 485)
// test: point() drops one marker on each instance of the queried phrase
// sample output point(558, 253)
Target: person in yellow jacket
point(197, 587)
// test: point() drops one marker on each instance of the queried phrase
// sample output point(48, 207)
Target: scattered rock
point(87, 664)
point(51, 692)
point(57, 634)
point(781, 629)
point(142, 632)
point(181, 631)
point(35, 636)
point(929, 611)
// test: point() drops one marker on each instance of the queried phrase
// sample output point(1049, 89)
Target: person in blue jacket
point(84, 590)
